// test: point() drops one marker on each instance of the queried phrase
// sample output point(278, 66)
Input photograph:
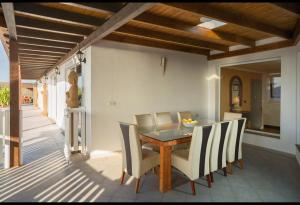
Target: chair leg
point(241, 162)
point(211, 177)
point(208, 180)
point(137, 185)
point(122, 177)
point(193, 187)
point(225, 171)
point(229, 168)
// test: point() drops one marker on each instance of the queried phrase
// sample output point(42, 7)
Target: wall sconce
point(163, 63)
point(80, 57)
point(57, 72)
point(46, 77)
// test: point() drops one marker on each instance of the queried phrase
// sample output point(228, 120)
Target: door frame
point(220, 66)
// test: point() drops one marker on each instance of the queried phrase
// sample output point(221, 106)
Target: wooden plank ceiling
point(48, 32)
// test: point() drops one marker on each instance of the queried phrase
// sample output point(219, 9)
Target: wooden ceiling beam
point(42, 48)
point(40, 54)
point(293, 8)
point(170, 38)
point(175, 25)
point(35, 60)
point(37, 63)
point(57, 15)
point(193, 29)
point(34, 67)
point(229, 17)
point(39, 24)
point(155, 43)
point(2, 21)
point(37, 56)
point(277, 45)
point(296, 34)
point(9, 15)
point(127, 13)
point(41, 42)
point(25, 32)
point(105, 8)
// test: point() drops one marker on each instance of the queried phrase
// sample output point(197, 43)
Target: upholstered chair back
point(184, 115)
point(219, 145)
point(131, 149)
point(234, 147)
point(144, 120)
point(200, 151)
point(163, 118)
point(231, 116)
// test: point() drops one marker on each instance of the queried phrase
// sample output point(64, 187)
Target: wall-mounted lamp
point(163, 63)
point(57, 72)
point(46, 77)
point(81, 57)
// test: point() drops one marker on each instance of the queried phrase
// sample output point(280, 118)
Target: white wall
point(288, 123)
point(131, 76)
point(298, 95)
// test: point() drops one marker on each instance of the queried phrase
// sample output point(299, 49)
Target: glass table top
point(173, 131)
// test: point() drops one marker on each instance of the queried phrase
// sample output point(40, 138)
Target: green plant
point(4, 97)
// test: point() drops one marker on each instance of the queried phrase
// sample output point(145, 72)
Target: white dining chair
point(184, 115)
point(163, 119)
point(234, 146)
point(219, 148)
point(194, 162)
point(136, 161)
point(146, 121)
point(231, 116)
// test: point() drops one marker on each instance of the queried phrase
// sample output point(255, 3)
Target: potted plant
point(4, 97)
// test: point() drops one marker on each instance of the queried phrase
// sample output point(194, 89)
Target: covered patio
point(123, 60)
point(46, 177)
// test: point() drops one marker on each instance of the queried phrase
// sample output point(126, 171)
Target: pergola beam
point(42, 48)
point(293, 8)
point(51, 36)
point(229, 17)
point(266, 47)
point(130, 11)
point(120, 37)
point(15, 81)
point(39, 24)
point(57, 15)
point(170, 38)
point(8, 11)
point(47, 43)
point(169, 23)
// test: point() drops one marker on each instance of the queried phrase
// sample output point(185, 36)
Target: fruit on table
point(189, 121)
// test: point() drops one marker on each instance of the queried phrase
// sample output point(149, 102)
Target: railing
point(75, 132)
point(5, 137)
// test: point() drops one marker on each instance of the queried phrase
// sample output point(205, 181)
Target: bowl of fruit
point(189, 122)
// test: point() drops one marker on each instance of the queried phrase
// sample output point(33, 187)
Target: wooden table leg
point(165, 174)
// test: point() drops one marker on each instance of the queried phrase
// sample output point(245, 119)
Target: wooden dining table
point(165, 137)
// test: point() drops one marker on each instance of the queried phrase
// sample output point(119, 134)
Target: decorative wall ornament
point(72, 95)
point(163, 63)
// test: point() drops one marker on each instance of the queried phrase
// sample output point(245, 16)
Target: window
point(275, 87)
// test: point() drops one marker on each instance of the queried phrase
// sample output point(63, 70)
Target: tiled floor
point(45, 175)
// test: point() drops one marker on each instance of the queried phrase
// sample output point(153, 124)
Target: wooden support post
point(15, 79)
point(35, 96)
point(45, 99)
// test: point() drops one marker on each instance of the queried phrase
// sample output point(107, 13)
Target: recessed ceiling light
point(210, 23)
